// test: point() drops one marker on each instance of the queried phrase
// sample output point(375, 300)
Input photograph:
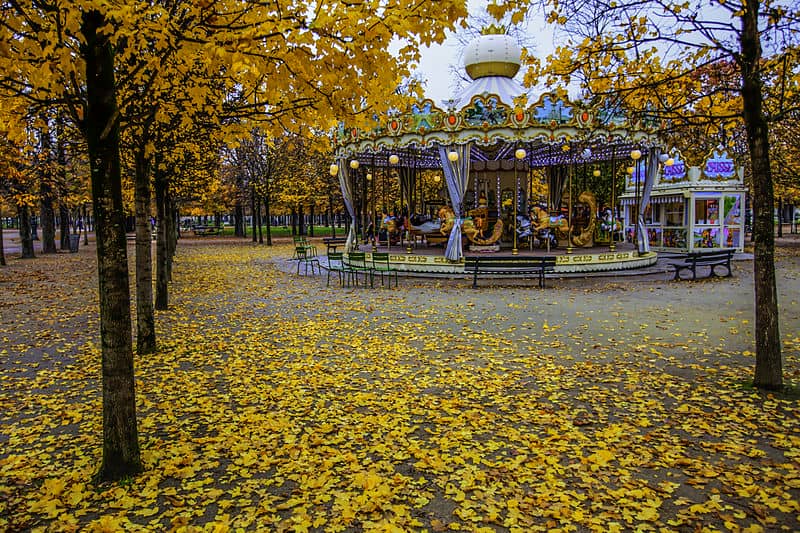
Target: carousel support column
point(613, 247)
point(393, 160)
point(569, 209)
point(636, 155)
point(412, 178)
point(519, 154)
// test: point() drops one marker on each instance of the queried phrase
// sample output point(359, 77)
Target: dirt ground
point(277, 403)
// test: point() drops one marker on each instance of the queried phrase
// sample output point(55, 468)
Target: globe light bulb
point(520, 153)
point(354, 164)
point(453, 156)
point(596, 173)
point(334, 170)
point(394, 159)
point(635, 154)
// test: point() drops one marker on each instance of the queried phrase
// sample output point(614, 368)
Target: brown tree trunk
point(48, 218)
point(253, 216)
point(47, 212)
point(268, 218)
point(162, 292)
point(2, 245)
point(63, 221)
point(172, 242)
point(145, 318)
point(121, 455)
point(25, 234)
point(769, 366)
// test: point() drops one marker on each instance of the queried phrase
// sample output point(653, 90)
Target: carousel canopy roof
point(490, 115)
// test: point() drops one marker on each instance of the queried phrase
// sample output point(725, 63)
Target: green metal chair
point(336, 264)
point(356, 263)
point(306, 258)
point(382, 266)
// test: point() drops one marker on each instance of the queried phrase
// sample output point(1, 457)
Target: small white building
point(691, 208)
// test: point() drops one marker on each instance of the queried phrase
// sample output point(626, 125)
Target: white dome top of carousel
point(492, 60)
point(492, 55)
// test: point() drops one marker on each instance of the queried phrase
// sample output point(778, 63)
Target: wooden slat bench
point(206, 230)
point(509, 266)
point(333, 242)
point(711, 259)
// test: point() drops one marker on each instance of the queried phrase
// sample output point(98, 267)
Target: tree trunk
point(311, 220)
point(769, 366)
point(2, 245)
point(145, 317)
point(121, 456)
point(253, 215)
point(162, 292)
point(48, 218)
point(85, 226)
point(172, 242)
point(25, 236)
point(238, 219)
point(268, 217)
point(63, 221)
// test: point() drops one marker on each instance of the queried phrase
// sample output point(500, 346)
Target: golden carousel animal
point(476, 237)
point(448, 218)
point(586, 236)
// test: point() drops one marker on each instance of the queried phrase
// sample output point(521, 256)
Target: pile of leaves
point(277, 403)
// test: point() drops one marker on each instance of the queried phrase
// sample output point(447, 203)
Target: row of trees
point(167, 89)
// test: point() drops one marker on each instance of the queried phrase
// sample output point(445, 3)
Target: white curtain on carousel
point(456, 175)
point(346, 186)
point(651, 171)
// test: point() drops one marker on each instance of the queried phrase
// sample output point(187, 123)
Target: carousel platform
point(429, 261)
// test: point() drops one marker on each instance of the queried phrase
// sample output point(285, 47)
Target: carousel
point(517, 174)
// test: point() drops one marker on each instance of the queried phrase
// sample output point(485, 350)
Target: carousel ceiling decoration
point(496, 114)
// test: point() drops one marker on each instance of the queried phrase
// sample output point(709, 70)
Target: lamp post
point(636, 155)
point(333, 171)
point(519, 154)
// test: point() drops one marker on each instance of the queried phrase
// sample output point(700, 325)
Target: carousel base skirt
point(596, 260)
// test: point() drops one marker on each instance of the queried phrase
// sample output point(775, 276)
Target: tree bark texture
point(253, 216)
point(145, 318)
point(25, 232)
point(162, 291)
point(63, 221)
point(48, 215)
point(121, 455)
point(172, 241)
point(47, 212)
point(769, 366)
point(2, 244)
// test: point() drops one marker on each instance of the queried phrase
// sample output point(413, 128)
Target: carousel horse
point(608, 227)
point(586, 236)
point(532, 229)
point(473, 235)
point(447, 218)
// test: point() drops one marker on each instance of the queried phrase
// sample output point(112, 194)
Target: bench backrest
point(711, 256)
point(510, 262)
